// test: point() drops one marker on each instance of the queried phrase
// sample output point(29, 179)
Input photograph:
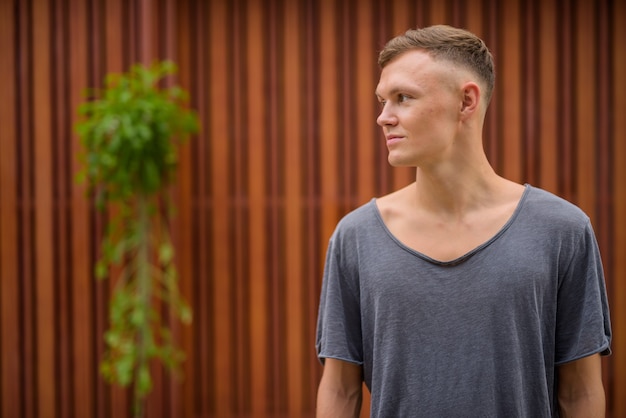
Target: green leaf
point(112, 338)
point(124, 369)
point(106, 370)
point(80, 177)
point(166, 253)
point(186, 315)
point(138, 317)
point(151, 179)
point(101, 270)
point(144, 380)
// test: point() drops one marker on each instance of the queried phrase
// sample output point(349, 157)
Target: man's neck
point(456, 189)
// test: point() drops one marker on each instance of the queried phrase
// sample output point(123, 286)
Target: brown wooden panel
point(62, 180)
point(368, 137)
point(164, 29)
point(184, 389)
point(616, 270)
point(509, 59)
point(529, 93)
point(24, 144)
point(257, 114)
point(45, 293)
point(221, 179)
point(289, 144)
point(438, 13)
point(585, 103)
point(328, 123)
point(11, 355)
point(492, 136)
point(475, 19)
point(84, 366)
point(565, 116)
point(292, 98)
point(547, 105)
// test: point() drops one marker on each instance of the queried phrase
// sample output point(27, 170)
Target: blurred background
point(285, 93)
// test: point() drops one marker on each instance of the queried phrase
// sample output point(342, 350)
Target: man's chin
point(399, 162)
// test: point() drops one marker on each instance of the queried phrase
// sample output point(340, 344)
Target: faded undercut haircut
point(447, 43)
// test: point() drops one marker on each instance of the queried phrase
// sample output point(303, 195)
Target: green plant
point(131, 131)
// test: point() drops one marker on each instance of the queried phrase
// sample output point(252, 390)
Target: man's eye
point(403, 98)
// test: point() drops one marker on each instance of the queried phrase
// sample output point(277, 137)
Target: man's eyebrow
point(393, 91)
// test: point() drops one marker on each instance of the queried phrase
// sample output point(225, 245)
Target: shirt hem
point(604, 350)
point(322, 358)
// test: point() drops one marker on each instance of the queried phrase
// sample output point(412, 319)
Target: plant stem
point(144, 290)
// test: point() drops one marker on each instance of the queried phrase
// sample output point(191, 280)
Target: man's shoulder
point(552, 206)
point(553, 215)
point(354, 227)
point(358, 217)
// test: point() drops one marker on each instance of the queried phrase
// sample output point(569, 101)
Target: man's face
point(421, 99)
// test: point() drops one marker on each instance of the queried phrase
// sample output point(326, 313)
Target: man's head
point(443, 42)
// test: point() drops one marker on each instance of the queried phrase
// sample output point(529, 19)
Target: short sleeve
point(339, 318)
point(583, 323)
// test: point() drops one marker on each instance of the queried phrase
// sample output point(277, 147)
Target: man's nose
point(386, 117)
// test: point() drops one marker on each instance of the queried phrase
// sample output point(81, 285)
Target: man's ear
point(471, 98)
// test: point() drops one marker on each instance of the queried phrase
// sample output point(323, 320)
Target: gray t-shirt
point(479, 336)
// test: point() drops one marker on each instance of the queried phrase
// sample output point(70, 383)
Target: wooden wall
point(289, 144)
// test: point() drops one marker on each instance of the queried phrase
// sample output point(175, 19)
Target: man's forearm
point(332, 403)
point(581, 392)
point(591, 405)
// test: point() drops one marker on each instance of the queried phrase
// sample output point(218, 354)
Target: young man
point(463, 294)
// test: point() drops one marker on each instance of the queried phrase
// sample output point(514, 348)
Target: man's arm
point(340, 391)
point(580, 390)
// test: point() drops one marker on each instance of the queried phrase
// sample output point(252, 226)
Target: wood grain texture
point(289, 144)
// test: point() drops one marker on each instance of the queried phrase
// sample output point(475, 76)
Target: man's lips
point(392, 139)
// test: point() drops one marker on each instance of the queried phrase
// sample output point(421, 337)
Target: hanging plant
point(131, 131)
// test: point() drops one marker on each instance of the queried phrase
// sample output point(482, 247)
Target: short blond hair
point(445, 42)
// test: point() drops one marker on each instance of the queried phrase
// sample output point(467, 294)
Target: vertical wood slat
point(585, 123)
point(97, 15)
point(292, 173)
point(566, 134)
point(289, 144)
point(185, 392)
point(25, 204)
point(206, 182)
point(604, 225)
point(83, 368)
point(312, 237)
point(275, 188)
point(175, 398)
point(44, 279)
point(236, 62)
point(528, 67)
point(109, 58)
point(328, 124)
point(149, 42)
point(547, 106)
point(11, 356)
point(221, 215)
point(60, 203)
point(365, 107)
point(617, 270)
point(493, 144)
point(509, 91)
point(256, 54)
